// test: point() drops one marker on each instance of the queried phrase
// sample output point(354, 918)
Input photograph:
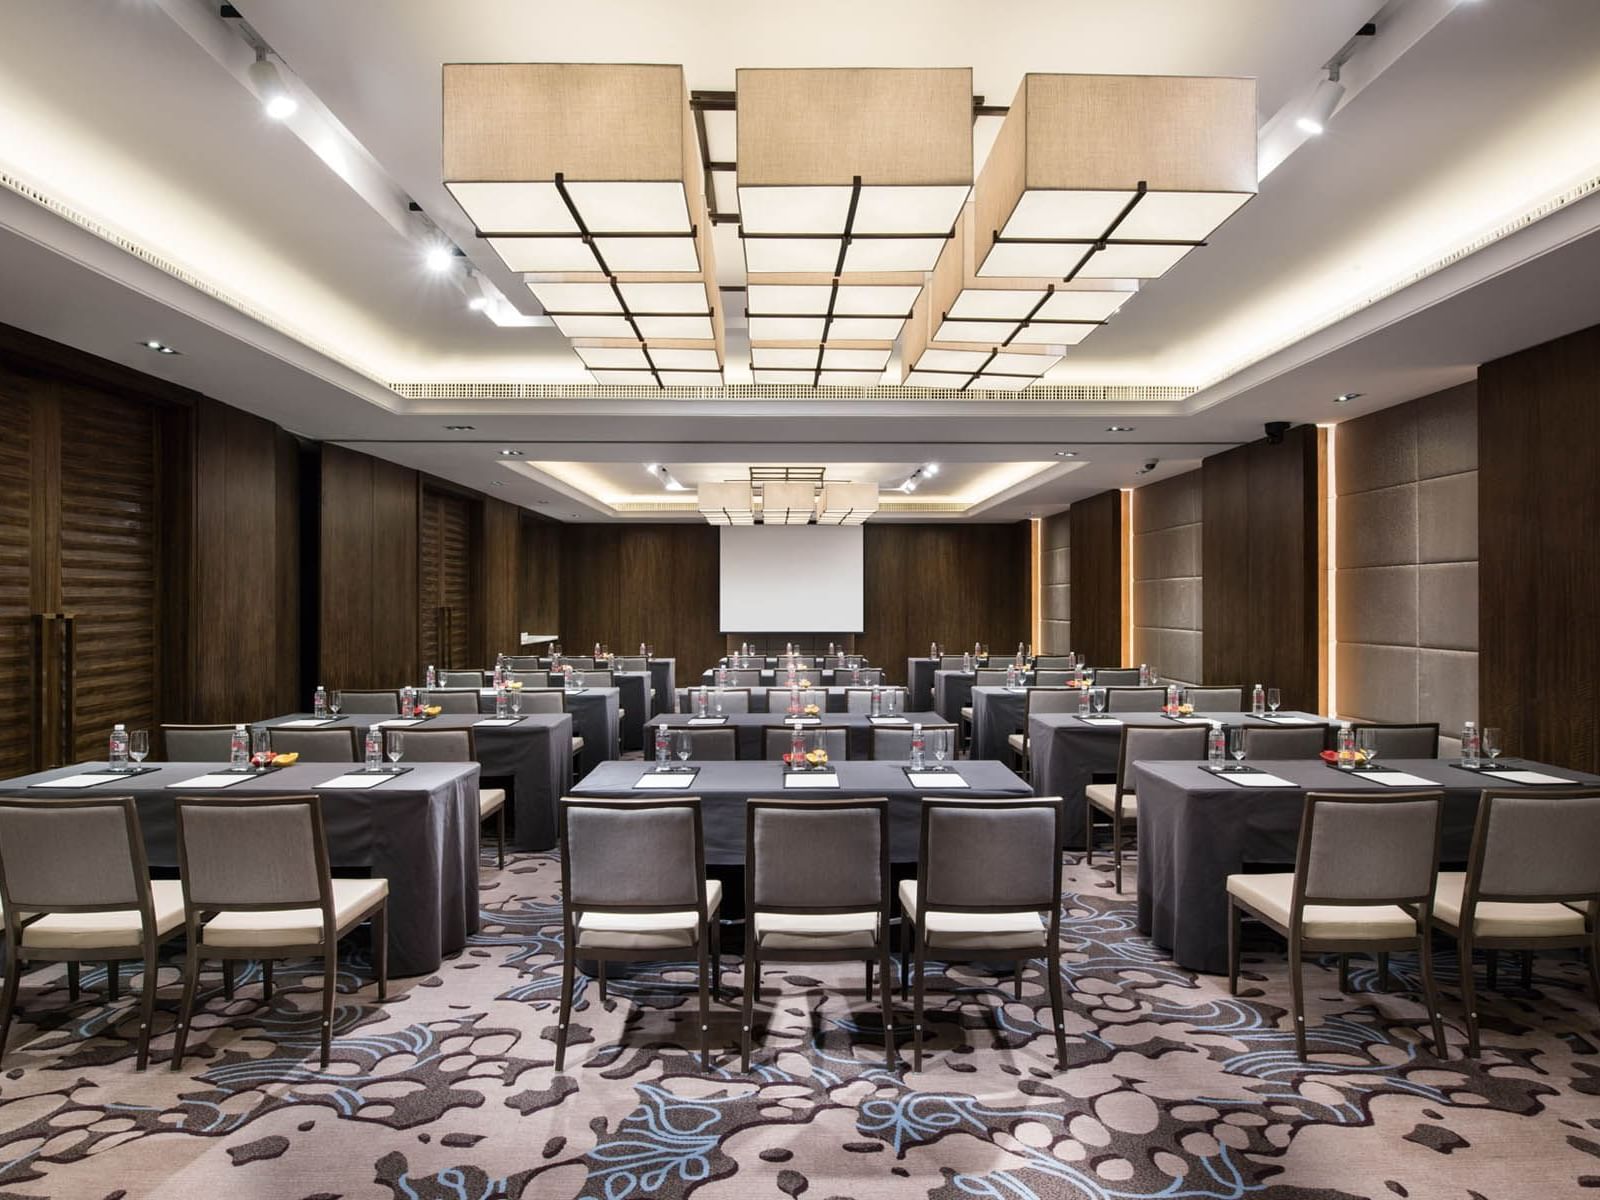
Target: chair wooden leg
point(191, 981)
point(147, 1009)
point(266, 980)
point(380, 947)
point(917, 1008)
point(72, 981)
point(716, 957)
point(752, 972)
point(869, 981)
point(1234, 918)
point(1298, 999)
point(1430, 993)
point(601, 980)
point(500, 836)
point(113, 981)
point(1088, 834)
point(1527, 970)
point(8, 1003)
point(1469, 999)
point(705, 1005)
point(886, 998)
point(227, 979)
point(1491, 960)
point(905, 958)
point(566, 1003)
point(1594, 966)
point(1016, 981)
point(1116, 849)
point(330, 976)
point(1057, 1005)
point(1383, 970)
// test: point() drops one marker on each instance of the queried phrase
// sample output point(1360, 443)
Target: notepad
point(1191, 720)
point(354, 782)
point(77, 781)
point(936, 779)
point(802, 720)
point(496, 722)
point(1528, 777)
point(209, 782)
point(1285, 719)
point(1101, 720)
point(1255, 779)
point(888, 721)
point(307, 723)
point(807, 780)
point(399, 722)
point(653, 782)
point(708, 720)
point(1397, 779)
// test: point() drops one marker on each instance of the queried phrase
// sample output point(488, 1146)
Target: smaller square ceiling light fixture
point(1113, 176)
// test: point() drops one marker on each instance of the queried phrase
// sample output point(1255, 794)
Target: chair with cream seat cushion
point(1117, 800)
point(988, 888)
point(732, 700)
point(549, 700)
point(1051, 678)
point(75, 887)
point(256, 886)
point(454, 700)
point(829, 904)
point(458, 746)
point(1109, 677)
point(1363, 882)
point(777, 739)
point(859, 700)
point(1419, 740)
point(778, 698)
point(1135, 699)
point(376, 703)
point(315, 745)
point(744, 677)
point(460, 679)
point(1040, 700)
point(633, 663)
point(893, 742)
point(634, 889)
point(1287, 744)
point(709, 745)
point(1532, 883)
point(197, 743)
point(1215, 699)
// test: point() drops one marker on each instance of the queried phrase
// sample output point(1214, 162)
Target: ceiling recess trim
point(1081, 392)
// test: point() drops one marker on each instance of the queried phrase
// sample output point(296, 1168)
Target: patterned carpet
point(447, 1090)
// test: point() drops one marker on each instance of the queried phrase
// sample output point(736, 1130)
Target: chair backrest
point(578, 664)
point(734, 700)
point(1290, 742)
point(778, 698)
point(632, 855)
point(894, 742)
point(1155, 743)
point(778, 737)
point(598, 677)
point(1049, 700)
point(989, 677)
point(71, 855)
point(1116, 676)
point(455, 700)
point(197, 743)
point(845, 677)
point(1051, 679)
point(1215, 699)
point(633, 662)
point(744, 677)
point(950, 662)
point(1420, 740)
point(461, 679)
point(544, 700)
point(529, 678)
point(1135, 699)
point(1357, 849)
point(436, 745)
point(859, 700)
point(315, 745)
point(710, 745)
point(993, 855)
point(1053, 662)
point(379, 703)
point(1536, 845)
point(523, 662)
point(256, 853)
point(845, 867)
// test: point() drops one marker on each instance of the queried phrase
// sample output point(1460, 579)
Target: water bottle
point(1172, 699)
point(118, 754)
point(319, 701)
point(1258, 700)
point(408, 701)
point(891, 702)
point(431, 678)
point(966, 661)
point(1346, 743)
point(933, 651)
point(643, 653)
point(500, 701)
point(722, 678)
point(1144, 675)
point(239, 748)
point(1216, 745)
point(1470, 745)
point(1011, 676)
point(1022, 653)
point(663, 738)
point(797, 748)
point(794, 701)
point(718, 702)
point(374, 749)
point(916, 747)
point(596, 655)
point(700, 702)
point(877, 701)
point(855, 672)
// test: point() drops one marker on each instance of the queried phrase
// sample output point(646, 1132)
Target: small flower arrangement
point(811, 710)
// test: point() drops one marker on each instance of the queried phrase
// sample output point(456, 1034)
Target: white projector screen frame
point(792, 579)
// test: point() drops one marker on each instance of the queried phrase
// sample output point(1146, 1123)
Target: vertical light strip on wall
point(1127, 577)
point(1330, 576)
point(1036, 557)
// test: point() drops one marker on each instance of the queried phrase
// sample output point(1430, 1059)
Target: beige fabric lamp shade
point(847, 503)
point(730, 503)
point(788, 502)
point(1113, 176)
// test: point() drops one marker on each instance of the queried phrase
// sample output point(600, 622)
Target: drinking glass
point(683, 745)
point(260, 745)
point(1273, 699)
point(335, 702)
point(1367, 743)
point(941, 745)
point(1236, 743)
point(397, 746)
point(1097, 697)
point(1488, 742)
point(139, 745)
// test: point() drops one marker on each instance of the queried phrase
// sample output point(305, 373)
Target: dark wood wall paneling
point(497, 580)
point(1098, 541)
point(538, 575)
point(448, 554)
point(19, 461)
point(1538, 566)
point(1261, 557)
point(1055, 588)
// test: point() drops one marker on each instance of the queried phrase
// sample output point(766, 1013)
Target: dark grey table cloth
point(633, 698)
point(952, 691)
point(751, 736)
point(997, 712)
point(594, 719)
point(418, 830)
point(1065, 754)
point(663, 672)
point(723, 788)
point(534, 756)
point(1196, 829)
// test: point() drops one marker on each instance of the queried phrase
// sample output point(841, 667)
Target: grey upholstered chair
point(844, 677)
point(1420, 740)
point(710, 745)
point(859, 700)
point(893, 742)
point(1040, 700)
point(988, 888)
point(197, 743)
point(542, 699)
point(455, 700)
point(1116, 677)
point(1053, 662)
point(1363, 882)
point(460, 679)
point(1117, 800)
point(778, 699)
point(370, 703)
point(744, 677)
point(830, 904)
point(1215, 699)
point(75, 887)
point(731, 700)
point(634, 889)
point(776, 741)
point(1286, 743)
point(458, 746)
point(1135, 699)
point(529, 679)
point(989, 677)
point(598, 676)
point(633, 663)
point(581, 663)
point(950, 662)
point(524, 662)
point(256, 886)
point(1051, 678)
point(315, 745)
point(1532, 883)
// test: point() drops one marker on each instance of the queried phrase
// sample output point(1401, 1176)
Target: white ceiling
point(1324, 283)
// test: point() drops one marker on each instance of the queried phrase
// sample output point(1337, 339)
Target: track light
point(439, 258)
point(269, 87)
point(930, 470)
point(479, 298)
point(1319, 109)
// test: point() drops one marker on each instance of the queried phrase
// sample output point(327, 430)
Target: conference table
point(663, 678)
point(952, 691)
point(919, 678)
point(750, 728)
point(594, 712)
point(633, 703)
point(1066, 753)
point(836, 696)
point(533, 754)
point(724, 787)
point(822, 676)
point(1197, 828)
point(418, 830)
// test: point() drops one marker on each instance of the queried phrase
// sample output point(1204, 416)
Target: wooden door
point(445, 571)
point(17, 641)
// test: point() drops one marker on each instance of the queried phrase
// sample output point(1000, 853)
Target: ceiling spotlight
point(930, 470)
point(1066, 454)
point(510, 453)
point(1119, 428)
point(158, 347)
point(479, 304)
point(1346, 397)
point(459, 428)
point(439, 258)
point(1319, 109)
point(652, 467)
point(269, 87)
point(479, 297)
